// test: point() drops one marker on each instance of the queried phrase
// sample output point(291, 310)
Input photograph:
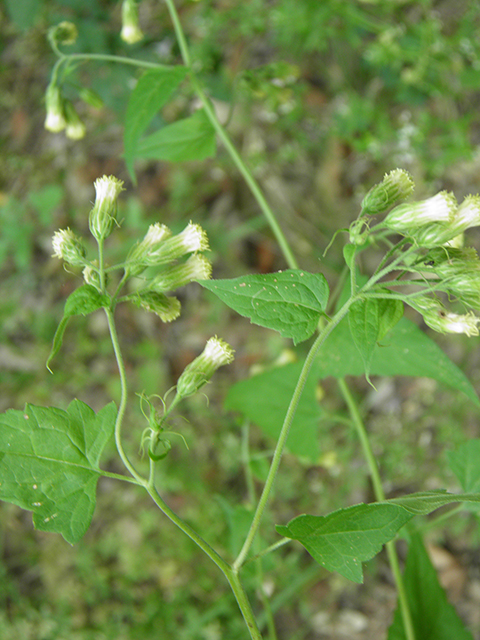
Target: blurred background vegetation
point(322, 98)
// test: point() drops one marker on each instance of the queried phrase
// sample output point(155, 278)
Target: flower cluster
point(432, 248)
point(61, 114)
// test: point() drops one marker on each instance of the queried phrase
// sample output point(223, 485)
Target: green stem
point(380, 496)
point(270, 621)
point(101, 57)
point(230, 575)
point(123, 398)
point(277, 456)
point(224, 137)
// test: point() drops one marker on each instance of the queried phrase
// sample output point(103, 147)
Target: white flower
point(131, 32)
point(102, 216)
point(396, 185)
point(407, 217)
point(69, 247)
point(216, 354)
point(467, 214)
point(193, 238)
point(454, 323)
point(55, 120)
point(156, 233)
point(197, 267)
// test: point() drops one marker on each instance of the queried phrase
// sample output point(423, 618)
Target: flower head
point(55, 120)
point(75, 127)
point(192, 239)
point(131, 32)
point(64, 33)
point(137, 258)
point(102, 216)
point(197, 267)
point(69, 247)
point(396, 185)
point(408, 217)
point(167, 308)
point(216, 354)
point(439, 319)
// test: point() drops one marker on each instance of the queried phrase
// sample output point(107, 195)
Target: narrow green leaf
point(190, 139)
point(290, 302)
point(344, 539)
point(49, 463)
point(82, 301)
point(153, 90)
point(409, 352)
point(433, 617)
point(264, 399)
point(465, 464)
point(364, 321)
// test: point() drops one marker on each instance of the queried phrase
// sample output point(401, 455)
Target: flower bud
point(64, 33)
point(192, 239)
point(167, 308)
point(465, 287)
point(68, 247)
point(102, 216)
point(439, 319)
point(131, 32)
point(92, 277)
point(91, 98)
point(55, 120)
point(439, 209)
point(75, 127)
point(359, 231)
point(137, 258)
point(197, 267)
point(216, 354)
point(396, 185)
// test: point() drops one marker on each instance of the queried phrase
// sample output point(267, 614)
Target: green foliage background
point(322, 98)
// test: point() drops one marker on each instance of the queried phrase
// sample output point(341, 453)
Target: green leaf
point(264, 399)
point(364, 322)
point(190, 139)
point(349, 253)
point(390, 313)
point(49, 463)
point(409, 352)
point(82, 301)
point(465, 464)
point(290, 302)
point(425, 502)
point(344, 539)
point(152, 91)
point(433, 617)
